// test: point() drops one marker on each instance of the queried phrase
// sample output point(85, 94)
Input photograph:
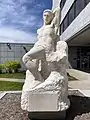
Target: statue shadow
point(78, 105)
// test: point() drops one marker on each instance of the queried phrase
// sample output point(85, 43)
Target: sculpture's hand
point(56, 19)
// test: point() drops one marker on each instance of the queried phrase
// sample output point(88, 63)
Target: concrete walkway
point(86, 93)
point(82, 85)
point(12, 80)
point(83, 82)
point(80, 75)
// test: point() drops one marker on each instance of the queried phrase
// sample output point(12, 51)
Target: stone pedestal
point(45, 105)
point(43, 101)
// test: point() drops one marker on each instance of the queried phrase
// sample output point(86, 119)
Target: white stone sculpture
point(46, 67)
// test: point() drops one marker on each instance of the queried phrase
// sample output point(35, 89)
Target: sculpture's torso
point(46, 38)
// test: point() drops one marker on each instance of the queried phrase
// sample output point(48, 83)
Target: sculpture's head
point(48, 16)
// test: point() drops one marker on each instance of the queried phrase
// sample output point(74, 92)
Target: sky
point(20, 19)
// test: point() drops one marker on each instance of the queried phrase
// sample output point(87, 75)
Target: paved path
point(82, 85)
point(80, 75)
point(12, 80)
point(86, 93)
point(83, 82)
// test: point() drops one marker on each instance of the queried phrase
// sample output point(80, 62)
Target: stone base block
point(45, 105)
point(43, 101)
point(47, 115)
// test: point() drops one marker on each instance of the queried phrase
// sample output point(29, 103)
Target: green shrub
point(12, 66)
point(0, 68)
point(3, 68)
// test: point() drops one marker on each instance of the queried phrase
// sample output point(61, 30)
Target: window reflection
point(79, 6)
point(87, 1)
point(62, 3)
point(71, 14)
point(65, 22)
point(61, 28)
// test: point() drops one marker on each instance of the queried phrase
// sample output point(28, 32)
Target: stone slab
point(2, 94)
point(86, 93)
point(43, 101)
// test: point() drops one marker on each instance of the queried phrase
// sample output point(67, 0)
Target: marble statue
point(46, 64)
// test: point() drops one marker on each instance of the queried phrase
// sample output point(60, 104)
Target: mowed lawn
point(20, 75)
point(14, 86)
point(10, 86)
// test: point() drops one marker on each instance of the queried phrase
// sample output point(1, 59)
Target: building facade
point(13, 51)
point(75, 30)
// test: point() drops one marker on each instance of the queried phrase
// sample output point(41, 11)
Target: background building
point(75, 30)
point(13, 51)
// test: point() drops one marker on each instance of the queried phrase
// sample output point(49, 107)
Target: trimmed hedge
point(10, 67)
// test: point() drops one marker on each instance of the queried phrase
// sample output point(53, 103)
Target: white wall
point(56, 3)
point(82, 20)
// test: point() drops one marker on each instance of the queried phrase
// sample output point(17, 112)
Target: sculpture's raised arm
point(56, 19)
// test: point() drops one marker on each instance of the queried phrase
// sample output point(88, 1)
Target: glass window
point(62, 3)
point(87, 1)
point(3, 54)
point(71, 14)
point(79, 6)
point(61, 28)
point(10, 54)
point(65, 22)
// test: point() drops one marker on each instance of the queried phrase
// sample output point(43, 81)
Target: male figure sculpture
point(52, 54)
point(45, 45)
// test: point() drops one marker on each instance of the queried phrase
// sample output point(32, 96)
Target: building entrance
point(83, 58)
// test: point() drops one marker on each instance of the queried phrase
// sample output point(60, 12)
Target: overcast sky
point(19, 19)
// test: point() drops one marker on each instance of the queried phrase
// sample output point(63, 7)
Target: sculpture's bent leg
point(31, 58)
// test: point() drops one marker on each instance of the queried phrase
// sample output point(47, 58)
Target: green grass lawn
point(20, 75)
point(10, 86)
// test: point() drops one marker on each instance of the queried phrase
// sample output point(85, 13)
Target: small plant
point(15, 65)
point(0, 68)
point(12, 66)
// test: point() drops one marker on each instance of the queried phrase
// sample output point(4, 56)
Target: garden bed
point(10, 107)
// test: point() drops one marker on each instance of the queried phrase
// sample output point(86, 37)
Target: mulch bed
point(10, 107)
